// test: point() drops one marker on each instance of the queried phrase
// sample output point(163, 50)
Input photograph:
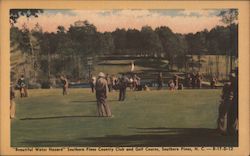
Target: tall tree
point(229, 17)
point(84, 40)
point(173, 44)
point(105, 43)
point(120, 40)
point(49, 46)
point(16, 13)
point(151, 44)
point(134, 41)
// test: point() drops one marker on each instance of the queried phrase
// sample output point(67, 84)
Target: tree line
point(42, 55)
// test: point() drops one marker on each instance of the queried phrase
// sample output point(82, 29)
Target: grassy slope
point(155, 118)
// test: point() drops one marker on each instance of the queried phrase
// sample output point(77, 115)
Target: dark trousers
point(92, 87)
point(102, 106)
point(233, 117)
point(65, 92)
point(122, 94)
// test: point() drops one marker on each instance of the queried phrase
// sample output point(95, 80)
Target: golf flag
point(132, 66)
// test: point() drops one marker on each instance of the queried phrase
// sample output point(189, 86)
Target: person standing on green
point(198, 80)
point(101, 96)
point(22, 86)
point(12, 103)
point(108, 78)
point(65, 85)
point(123, 82)
point(160, 81)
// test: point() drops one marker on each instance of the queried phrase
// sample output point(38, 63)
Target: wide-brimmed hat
point(101, 74)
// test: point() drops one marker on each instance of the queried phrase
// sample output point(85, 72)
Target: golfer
point(101, 96)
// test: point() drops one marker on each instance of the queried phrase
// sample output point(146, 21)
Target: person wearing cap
point(101, 96)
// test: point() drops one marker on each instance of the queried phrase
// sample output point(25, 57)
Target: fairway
point(153, 118)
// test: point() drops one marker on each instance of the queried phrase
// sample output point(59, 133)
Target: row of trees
point(42, 55)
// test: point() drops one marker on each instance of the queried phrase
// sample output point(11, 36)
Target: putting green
point(153, 118)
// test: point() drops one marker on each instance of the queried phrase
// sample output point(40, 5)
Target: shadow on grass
point(79, 101)
point(58, 117)
point(150, 137)
point(83, 101)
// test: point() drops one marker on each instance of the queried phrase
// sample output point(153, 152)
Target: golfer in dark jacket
point(160, 81)
point(122, 87)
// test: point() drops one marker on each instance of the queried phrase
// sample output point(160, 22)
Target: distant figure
point(175, 80)
point(12, 103)
point(108, 78)
point(112, 82)
point(198, 80)
point(132, 66)
point(146, 88)
point(171, 85)
point(160, 81)
point(22, 87)
point(123, 82)
point(116, 83)
point(136, 82)
point(92, 83)
point(131, 83)
point(180, 86)
point(101, 96)
point(213, 82)
point(188, 80)
point(65, 85)
point(193, 80)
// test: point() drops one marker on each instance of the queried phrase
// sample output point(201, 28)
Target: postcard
point(124, 77)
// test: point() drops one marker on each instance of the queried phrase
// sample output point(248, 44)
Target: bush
point(34, 85)
point(46, 85)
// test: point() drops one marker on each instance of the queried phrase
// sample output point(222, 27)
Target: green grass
point(155, 118)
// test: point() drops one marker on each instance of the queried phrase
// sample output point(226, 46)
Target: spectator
point(65, 85)
point(160, 81)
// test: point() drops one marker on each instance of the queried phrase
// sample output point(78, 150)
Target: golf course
point(146, 118)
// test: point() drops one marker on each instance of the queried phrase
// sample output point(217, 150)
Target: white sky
point(179, 21)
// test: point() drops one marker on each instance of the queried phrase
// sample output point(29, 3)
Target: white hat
point(101, 74)
point(232, 75)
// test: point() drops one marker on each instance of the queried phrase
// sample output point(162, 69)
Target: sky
point(178, 20)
